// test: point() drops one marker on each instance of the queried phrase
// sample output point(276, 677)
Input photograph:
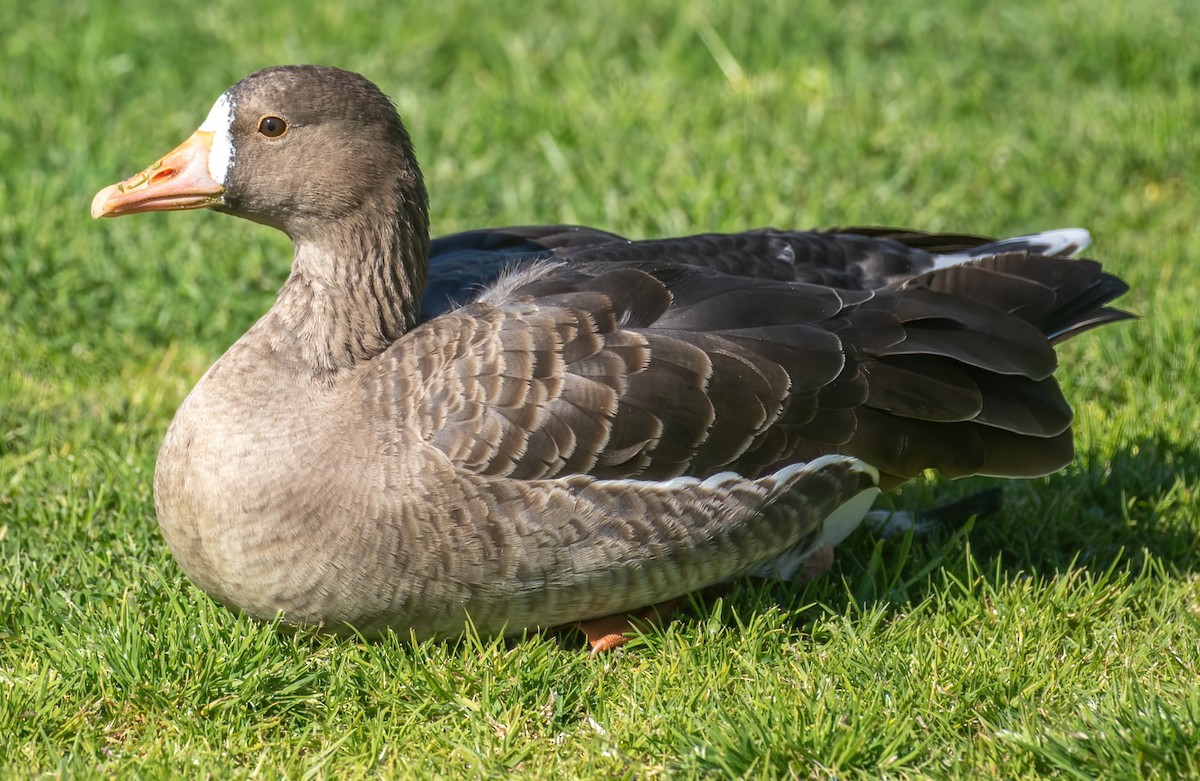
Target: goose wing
point(631, 366)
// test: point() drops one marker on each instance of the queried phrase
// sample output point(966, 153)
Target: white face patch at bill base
point(219, 122)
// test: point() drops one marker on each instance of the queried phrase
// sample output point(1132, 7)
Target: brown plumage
point(539, 425)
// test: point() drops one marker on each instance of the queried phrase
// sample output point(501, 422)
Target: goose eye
point(272, 127)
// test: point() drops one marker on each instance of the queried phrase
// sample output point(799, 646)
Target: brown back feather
point(656, 370)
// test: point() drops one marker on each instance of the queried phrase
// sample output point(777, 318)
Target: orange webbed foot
point(609, 632)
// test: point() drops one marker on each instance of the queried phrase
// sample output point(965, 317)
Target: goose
point(540, 426)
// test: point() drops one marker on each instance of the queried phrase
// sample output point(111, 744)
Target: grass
point(1058, 639)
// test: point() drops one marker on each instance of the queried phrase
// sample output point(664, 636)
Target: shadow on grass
point(1107, 514)
point(1116, 511)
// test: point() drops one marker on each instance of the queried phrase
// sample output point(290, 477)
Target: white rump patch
point(219, 122)
point(1063, 242)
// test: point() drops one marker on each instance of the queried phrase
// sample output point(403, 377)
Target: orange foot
point(609, 632)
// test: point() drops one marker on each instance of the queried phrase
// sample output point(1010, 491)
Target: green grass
point(1060, 638)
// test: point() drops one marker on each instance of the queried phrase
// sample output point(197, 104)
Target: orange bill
point(180, 180)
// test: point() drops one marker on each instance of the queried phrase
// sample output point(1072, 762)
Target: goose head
point(299, 148)
point(320, 154)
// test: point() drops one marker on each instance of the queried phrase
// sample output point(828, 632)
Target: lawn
point(1059, 638)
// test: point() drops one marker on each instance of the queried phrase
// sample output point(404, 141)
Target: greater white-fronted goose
point(543, 425)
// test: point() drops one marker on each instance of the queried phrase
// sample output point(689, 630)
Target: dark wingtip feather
point(1081, 288)
point(1089, 311)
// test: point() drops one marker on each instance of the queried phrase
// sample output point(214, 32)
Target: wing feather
point(657, 359)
